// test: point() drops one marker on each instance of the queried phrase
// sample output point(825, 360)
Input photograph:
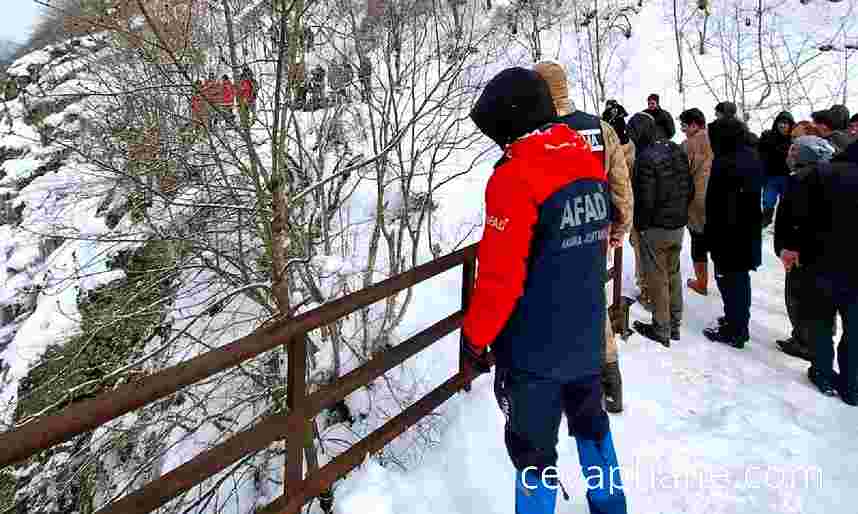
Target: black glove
point(476, 359)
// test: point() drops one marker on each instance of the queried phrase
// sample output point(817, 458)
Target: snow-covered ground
point(706, 429)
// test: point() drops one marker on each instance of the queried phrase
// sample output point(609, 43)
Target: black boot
point(768, 216)
point(824, 383)
point(796, 348)
point(723, 334)
point(612, 385)
point(674, 333)
point(650, 331)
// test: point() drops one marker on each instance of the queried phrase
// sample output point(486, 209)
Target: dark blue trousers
point(533, 407)
point(827, 296)
point(735, 289)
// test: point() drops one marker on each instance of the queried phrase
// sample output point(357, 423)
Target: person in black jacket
point(805, 153)
point(823, 211)
point(665, 129)
point(733, 221)
point(662, 191)
point(615, 116)
point(774, 145)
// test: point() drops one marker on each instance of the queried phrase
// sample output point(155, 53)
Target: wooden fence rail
point(294, 426)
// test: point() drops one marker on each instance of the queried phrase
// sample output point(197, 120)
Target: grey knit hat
point(812, 149)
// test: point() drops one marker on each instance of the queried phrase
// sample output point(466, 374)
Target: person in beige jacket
point(696, 145)
point(606, 144)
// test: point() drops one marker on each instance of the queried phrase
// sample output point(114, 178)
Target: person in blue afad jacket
point(539, 299)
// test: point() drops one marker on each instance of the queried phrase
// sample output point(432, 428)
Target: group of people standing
point(220, 97)
point(568, 188)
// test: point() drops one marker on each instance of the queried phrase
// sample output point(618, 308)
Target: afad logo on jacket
point(594, 138)
point(497, 223)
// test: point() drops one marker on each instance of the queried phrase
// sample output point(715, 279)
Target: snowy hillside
point(108, 273)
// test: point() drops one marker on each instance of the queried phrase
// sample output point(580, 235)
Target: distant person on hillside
point(539, 298)
point(665, 129)
point(227, 100)
point(247, 91)
point(822, 211)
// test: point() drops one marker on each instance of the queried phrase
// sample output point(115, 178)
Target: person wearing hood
point(539, 298)
point(615, 115)
point(665, 129)
point(822, 209)
point(663, 190)
point(607, 147)
point(699, 151)
point(774, 145)
point(732, 227)
point(805, 152)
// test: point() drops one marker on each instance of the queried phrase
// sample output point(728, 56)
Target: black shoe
point(612, 386)
point(724, 335)
point(768, 216)
point(850, 395)
point(796, 348)
point(674, 333)
point(650, 331)
point(824, 383)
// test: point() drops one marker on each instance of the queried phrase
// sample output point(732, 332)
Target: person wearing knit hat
point(805, 152)
point(539, 296)
point(606, 146)
point(820, 211)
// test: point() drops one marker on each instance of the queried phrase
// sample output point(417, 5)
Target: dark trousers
point(827, 297)
point(735, 289)
point(699, 249)
point(792, 298)
point(533, 406)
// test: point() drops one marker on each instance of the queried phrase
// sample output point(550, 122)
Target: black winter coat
point(665, 129)
point(774, 147)
point(663, 188)
point(818, 217)
point(733, 195)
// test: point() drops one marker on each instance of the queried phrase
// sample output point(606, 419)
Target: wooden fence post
point(295, 396)
point(469, 266)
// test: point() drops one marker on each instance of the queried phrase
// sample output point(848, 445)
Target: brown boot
point(701, 285)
